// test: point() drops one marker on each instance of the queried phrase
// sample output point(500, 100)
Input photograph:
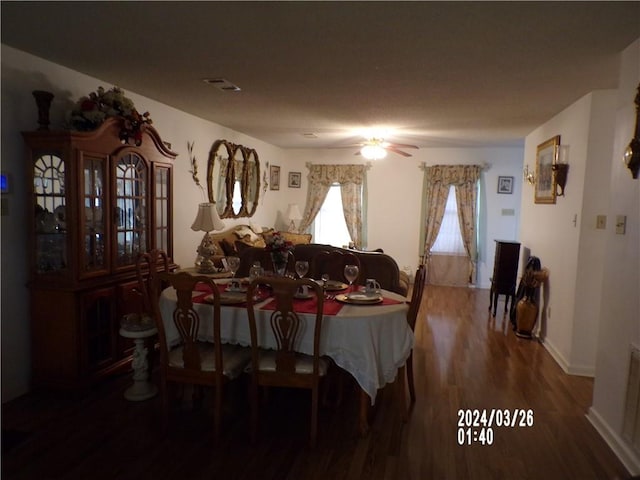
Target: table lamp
point(207, 220)
point(293, 214)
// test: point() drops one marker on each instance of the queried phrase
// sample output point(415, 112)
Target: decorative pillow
point(241, 246)
point(228, 248)
point(297, 238)
point(255, 227)
point(242, 232)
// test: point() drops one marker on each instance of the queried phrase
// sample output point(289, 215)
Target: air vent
point(309, 135)
point(222, 84)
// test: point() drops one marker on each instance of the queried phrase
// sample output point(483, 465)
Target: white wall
point(619, 311)
point(563, 234)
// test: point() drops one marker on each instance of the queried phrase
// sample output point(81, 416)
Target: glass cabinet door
point(162, 196)
point(93, 215)
point(130, 215)
point(50, 214)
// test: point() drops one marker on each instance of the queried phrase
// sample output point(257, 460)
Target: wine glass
point(351, 273)
point(233, 263)
point(302, 267)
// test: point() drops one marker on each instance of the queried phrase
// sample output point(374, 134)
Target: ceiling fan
point(375, 148)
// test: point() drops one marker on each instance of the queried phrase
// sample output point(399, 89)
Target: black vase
point(43, 101)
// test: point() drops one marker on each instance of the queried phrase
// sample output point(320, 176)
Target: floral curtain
point(351, 179)
point(437, 181)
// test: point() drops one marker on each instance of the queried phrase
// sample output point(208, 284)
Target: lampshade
point(207, 219)
point(293, 212)
point(373, 152)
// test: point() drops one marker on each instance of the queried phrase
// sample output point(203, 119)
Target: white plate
point(335, 286)
point(359, 299)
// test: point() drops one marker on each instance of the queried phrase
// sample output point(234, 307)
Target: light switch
point(601, 222)
point(621, 224)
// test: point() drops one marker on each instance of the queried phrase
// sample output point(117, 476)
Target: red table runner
point(309, 305)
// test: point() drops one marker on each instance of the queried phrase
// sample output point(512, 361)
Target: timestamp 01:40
point(469, 436)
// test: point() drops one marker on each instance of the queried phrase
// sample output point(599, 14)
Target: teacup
point(371, 285)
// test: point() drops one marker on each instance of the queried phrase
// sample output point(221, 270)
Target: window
point(449, 240)
point(329, 225)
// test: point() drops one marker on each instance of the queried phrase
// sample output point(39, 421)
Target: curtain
point(351, 179)
point(351, 195)
point(466, 196)
point(437, 181)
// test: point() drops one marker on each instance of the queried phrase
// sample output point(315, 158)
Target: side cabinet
point(505, 271)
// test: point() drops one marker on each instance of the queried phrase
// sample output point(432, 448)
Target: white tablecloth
point(369, 341)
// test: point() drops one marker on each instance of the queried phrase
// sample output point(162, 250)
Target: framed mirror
point(233, 179)
point(218, 178)
point(251, 182)
point(236, 172)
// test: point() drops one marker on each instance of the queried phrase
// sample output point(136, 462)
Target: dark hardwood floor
point(463, 360)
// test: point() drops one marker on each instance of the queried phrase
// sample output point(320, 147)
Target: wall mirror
point(233, 179)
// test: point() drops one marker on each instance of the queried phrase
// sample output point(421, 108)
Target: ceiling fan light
point(373, 152)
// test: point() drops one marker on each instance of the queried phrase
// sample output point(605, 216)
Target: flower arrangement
point(276, 243)
point(89, 112)
point(279, 249)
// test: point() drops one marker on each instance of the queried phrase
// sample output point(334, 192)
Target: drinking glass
point(351, 273)
point(302, 267)
point(233, 263)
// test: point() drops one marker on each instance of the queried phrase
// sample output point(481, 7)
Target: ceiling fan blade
point(402, 145)
point(399, 152)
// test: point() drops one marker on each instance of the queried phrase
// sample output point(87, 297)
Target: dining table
point(371, 341)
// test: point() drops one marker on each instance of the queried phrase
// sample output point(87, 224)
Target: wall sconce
point(632, 153)
point(560, 171)
point(560, 168)
point(529, 176)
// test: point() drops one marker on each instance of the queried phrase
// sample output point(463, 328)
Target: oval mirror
point(219, 176)
point(237, 185)
point(252, 182)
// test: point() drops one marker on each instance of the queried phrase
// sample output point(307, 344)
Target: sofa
point(249, 246)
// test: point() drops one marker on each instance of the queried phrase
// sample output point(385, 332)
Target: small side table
point(141, 389)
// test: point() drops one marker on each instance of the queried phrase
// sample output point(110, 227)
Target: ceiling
point(437, 74)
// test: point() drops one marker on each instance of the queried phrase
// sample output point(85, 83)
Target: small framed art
point(294, 179)
point(505, 185)
point(274, 177)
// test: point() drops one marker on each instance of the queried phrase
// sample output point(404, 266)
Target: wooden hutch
point(97, 202)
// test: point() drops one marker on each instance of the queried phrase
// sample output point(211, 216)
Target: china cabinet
point(96, 202)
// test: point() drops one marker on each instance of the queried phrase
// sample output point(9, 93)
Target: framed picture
point(274, 177)
point(505, 185)
point(294, 179)
point(546, 157)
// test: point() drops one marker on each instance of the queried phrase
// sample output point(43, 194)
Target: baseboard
point(627, 456)
point(580, 370)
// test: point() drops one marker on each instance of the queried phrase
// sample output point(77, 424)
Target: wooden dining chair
point(148, 265)
point(333, 263)
point(412, 315)
point(285, 366)
point(192, 361)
